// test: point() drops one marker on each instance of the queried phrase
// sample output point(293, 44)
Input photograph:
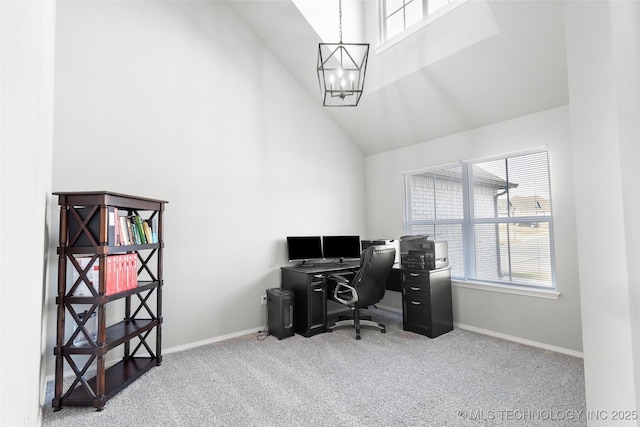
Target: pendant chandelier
point(341, 71)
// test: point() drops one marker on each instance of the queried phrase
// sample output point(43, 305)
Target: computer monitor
point(304, 248)
point(341, 247)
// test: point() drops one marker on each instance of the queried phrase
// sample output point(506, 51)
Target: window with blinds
point(495, 215)
point(436, 208)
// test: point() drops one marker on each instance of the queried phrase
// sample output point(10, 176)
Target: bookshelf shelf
point(108, 250)
point(88, 230)
point(115, 379)
point(116, 334)
point(142, 286)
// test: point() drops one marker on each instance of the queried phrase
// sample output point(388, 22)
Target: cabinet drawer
point(415, 284)
point(412, 290)
point(416, 316)
point(416, 298)
point(415, 277)
point(316, 278)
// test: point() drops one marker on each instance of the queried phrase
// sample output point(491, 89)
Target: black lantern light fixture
point(341, 71)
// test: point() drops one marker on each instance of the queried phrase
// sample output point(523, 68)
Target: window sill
point(490, 287)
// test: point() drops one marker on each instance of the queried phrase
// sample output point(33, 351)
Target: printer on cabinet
point(417, 252)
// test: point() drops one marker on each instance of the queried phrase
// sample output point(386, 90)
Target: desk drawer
point(413, 291)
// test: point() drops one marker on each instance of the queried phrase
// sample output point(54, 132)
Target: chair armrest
point(345, 290)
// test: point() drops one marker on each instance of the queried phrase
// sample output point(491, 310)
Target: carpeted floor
point(393, 379)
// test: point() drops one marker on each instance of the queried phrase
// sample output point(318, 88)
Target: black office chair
point(365, 289)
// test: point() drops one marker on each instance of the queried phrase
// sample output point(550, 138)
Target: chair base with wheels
point(356, 321)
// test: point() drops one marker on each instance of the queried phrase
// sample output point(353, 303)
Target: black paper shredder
point(280, 312)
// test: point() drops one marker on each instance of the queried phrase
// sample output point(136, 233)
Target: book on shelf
point(121, 274)
point(116, 226)
point(138, 222)
point(132, 272)
point(133, 230)
point(124, 233)
point(126, 276)
point(112, 275)
point(147, 232)
point(132, 236)
point(154, 230)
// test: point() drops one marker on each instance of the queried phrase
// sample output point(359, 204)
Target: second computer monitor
point(341, 247)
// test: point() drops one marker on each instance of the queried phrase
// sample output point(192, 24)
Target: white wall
point(26, 93)
point(324, 17)
point(553, 323)
point(625, 17)
point(602, 53)
point(460, 28)
point(181, 101)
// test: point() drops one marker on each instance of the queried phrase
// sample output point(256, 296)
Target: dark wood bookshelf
point(91, 215)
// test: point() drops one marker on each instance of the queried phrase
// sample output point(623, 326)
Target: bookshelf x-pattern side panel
point(148, 304)
point(83, 230)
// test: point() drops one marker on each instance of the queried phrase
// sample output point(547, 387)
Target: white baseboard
point(519, 340)
point(211, 340)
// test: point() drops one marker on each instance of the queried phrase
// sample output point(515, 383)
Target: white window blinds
point(495, 216)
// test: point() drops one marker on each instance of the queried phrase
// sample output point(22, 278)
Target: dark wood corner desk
point(426, 297)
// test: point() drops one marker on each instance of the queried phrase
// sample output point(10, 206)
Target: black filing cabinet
point(310, 300)
point(426, 301)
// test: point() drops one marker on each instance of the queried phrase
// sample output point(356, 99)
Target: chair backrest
point(375, 265)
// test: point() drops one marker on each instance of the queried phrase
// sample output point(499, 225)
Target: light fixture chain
point(340, 7)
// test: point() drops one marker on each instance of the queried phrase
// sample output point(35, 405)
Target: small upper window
point(398, 15)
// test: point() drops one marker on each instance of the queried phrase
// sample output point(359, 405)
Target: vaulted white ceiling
point(484, 62)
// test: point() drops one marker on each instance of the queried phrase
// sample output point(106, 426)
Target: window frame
point(402, 9)
point(469, 222)
point(427, 18)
